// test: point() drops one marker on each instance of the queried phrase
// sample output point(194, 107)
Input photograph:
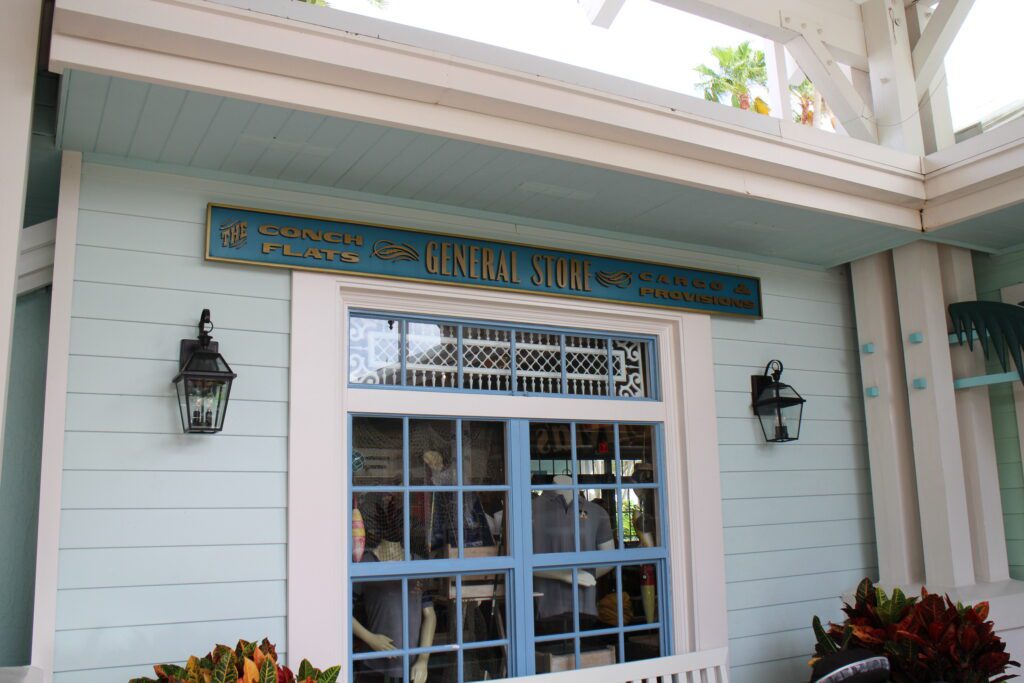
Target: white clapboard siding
point(170, 543)
point(799, 529)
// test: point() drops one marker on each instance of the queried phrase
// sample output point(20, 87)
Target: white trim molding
point(44, 620)
point(35, 256)
point(320, 397)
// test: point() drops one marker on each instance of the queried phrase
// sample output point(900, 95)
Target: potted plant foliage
point(926, 640)
point(246, 663)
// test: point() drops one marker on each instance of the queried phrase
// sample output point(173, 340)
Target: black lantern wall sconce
point(778, 407)
point(203, 383)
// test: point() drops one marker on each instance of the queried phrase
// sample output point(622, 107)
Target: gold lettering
point(460, 259)
point(664, 280)
point(333, 237)
point(538, 270)
point(682, 281)
point(446, 258)
point(700, 284)
point(349, 257)
point(474, 262)
point(430, 262)
point(717, 285)
point(646, 277)
point(574, 275)
point(270, 246)
point(515, 267)
point(313, 252)
point(290, 233)
point(354, 239)
point(502, 274)
point(646, 291)
point(288, 251)
point(562, 269)
point(488, 263)
point(269, 230)
point(586, 276)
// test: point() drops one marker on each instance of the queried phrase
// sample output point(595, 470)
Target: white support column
point(44, 615)
point(946, 533)
point(778, 80)
point(887, 414)
point(930, 50)
point(936, 117)
point(892, 75)
point(977, 443)
point(19, 42)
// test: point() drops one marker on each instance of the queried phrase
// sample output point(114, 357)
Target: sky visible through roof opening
point(657, 45)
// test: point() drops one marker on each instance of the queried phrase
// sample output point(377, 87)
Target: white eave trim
point(294, 63)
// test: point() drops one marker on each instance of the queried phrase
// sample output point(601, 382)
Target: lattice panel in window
point(374, 351)
point(487, 359)
point(630, 368)
point(433, 355)
point(539, 362)
point(586, 365)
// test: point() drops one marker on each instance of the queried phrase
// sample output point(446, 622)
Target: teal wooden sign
point(267, 238)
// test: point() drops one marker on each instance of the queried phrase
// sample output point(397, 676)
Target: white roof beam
point(823, 71)
point(601, 12)
point(840, 23)
point(938, 34)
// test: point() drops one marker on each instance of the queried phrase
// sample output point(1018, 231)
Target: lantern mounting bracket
point(772, 373)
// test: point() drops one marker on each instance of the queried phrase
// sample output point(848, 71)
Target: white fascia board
point(779, 20)
point(188, 44)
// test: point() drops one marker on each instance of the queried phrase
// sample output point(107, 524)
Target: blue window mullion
point(459, 480)
point(461, 359)
point(576, 613)
point(561, 355)
point(406, 508)
point(513, 387)
point(575, 491)
point(403, 327)
point(620, 517)
point(405, 623)
point(611, 370)
point(618, 606)
point(458, 626)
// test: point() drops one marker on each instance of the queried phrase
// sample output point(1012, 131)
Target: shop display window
point(487, 548)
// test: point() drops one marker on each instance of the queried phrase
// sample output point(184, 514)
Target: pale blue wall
point(799, 528)
point(992, 273)
point(19, 482)
point(170, 543)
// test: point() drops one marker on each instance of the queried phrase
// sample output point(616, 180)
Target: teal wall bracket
point(871, 392)
point(916, 337)
point(920, 383)
point(868, 348)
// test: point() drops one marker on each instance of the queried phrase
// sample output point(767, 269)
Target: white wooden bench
point(709, 666)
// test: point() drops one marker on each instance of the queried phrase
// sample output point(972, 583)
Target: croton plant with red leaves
point(246, 663)
point(926, 640)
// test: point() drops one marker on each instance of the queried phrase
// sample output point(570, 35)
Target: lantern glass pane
point(206, 402)
point(779, 409)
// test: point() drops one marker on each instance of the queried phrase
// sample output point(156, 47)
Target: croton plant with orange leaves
point(246, 663)
point(925, 640)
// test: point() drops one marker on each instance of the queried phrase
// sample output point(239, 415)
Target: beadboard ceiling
point(153, 123)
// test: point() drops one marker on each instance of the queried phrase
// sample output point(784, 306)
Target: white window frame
point(320, 398)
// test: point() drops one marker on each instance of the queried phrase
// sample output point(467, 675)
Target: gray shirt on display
point(553, 533)
point(382, 601)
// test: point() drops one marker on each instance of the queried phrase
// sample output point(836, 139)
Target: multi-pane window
point(401, 351)
point(483, 547)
